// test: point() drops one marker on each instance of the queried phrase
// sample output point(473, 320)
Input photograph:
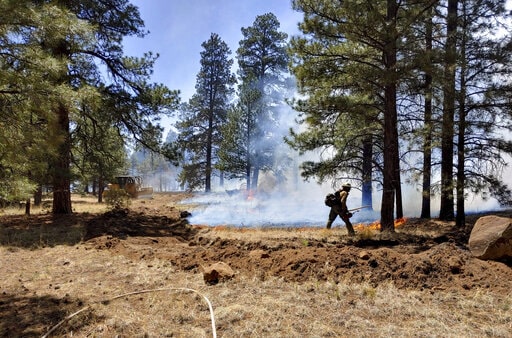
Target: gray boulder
point(491, 238)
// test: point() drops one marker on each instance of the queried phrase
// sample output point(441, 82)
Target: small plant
point(117, 199)
point(366, 233)
point(370, 292)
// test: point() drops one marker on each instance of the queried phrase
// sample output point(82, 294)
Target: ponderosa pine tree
point(95, 66)
point(240, 136)
point(427, 130)
point(262, 60)
point(27, 94)
point(482, 115)
point(447, 211)
point(205, 113)
point(340, 111)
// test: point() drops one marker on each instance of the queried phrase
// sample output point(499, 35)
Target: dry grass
point(81, 204)
point(245, 307)
point(43, 284)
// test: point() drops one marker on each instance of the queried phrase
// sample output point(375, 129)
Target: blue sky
point(179, 27)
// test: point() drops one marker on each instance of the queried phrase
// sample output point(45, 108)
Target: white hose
point(210, 307)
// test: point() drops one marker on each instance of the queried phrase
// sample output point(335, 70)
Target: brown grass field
point(138, 273)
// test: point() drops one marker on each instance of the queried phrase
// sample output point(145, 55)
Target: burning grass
point(376, 225)
point(363, 230)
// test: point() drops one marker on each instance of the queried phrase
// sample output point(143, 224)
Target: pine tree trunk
point(446, 211)
point(101, 185)
point(390, 124)
point(248, 175)
point(27, 207)
point(209, 146)
point(367, 172)
point(397, 182)
point(255, 177)
point(427, 141)
point(38, 195)
point(460, 219)
point(427, 156)
point(61, 169)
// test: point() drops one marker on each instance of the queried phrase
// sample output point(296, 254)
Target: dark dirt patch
point(42, 230)
point(25, 314)
point(123, 223)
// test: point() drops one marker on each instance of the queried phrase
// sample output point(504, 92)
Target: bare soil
point(423, 255)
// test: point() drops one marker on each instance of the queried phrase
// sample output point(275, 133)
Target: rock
point(258, 254)
point(491, 238)
point(185, 214)
point(364, 255)
point(217, 272)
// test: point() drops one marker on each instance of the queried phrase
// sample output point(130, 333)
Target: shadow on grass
point(34, 316)
point(37, 231)
point(45, 230)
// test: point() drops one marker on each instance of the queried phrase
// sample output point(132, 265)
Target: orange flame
point(250, 194)
point(376, 225)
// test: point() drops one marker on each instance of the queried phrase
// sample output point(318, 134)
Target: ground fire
point(376, 225)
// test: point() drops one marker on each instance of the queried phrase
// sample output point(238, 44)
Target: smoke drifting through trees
point(282, 197)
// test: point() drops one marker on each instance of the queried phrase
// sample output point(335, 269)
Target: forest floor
point(138, 272)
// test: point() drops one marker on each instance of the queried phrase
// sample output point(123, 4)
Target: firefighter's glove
point(349, 214)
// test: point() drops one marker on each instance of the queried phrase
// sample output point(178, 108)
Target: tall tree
point(87, 57)
point(447, 211)
point(240, 136)
point(391, 168)
point(262, 61)
point(205, 113)
point(482, 116)
point(427, 119)
point(27, 94)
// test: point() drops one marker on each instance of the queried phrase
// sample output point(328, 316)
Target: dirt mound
point(421, 255)
point(123, 223)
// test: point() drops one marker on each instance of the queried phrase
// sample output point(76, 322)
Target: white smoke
point(299, 206)
point(295, 203)
point(291, 202)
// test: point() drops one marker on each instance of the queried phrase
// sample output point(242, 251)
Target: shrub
point(117, 199)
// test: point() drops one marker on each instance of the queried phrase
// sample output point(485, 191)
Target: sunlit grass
point(80, 204)
point(245, 306)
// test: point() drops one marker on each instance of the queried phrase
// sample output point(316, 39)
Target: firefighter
point(341, 209)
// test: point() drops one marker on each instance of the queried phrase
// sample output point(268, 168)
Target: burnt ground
point(422, 254)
